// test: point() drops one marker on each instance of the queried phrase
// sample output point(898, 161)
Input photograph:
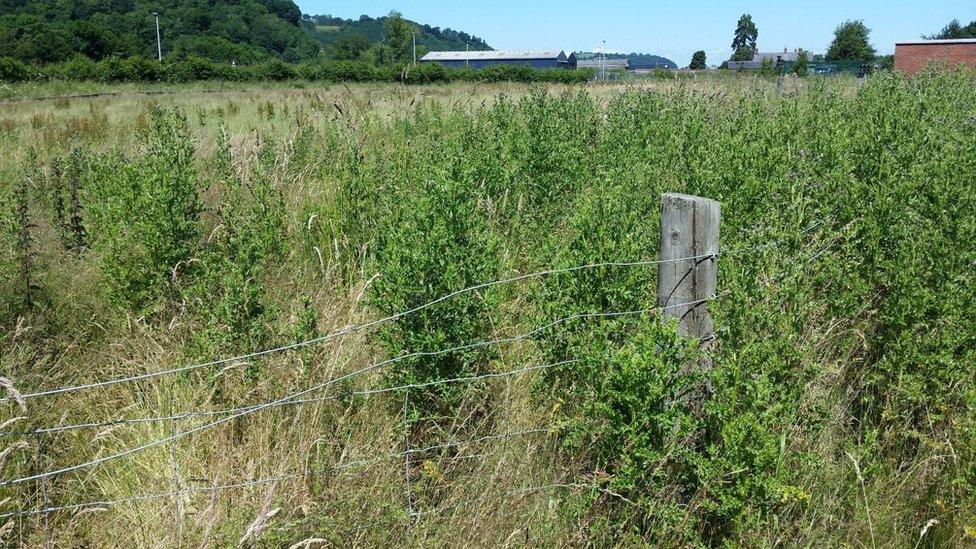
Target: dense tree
point(698, 61)
point(744, 41)
point(398, 36)
point(56, 30)
point(851, 43)
point(802, 66)
point(349, 47)
point(955, 30)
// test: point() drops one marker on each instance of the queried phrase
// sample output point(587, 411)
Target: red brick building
point(912, 57)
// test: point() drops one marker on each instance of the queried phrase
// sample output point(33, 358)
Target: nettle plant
point(437, 241)
point(228, 291)
point(144, 211)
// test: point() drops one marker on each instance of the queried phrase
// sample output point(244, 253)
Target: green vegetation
point(193, 69)
point(329, 30)
point(145, 234)
point(744, 46)
point(851, 43)
point(955, 30)
point(801, 67)
point(244, 31)
point(699, 61)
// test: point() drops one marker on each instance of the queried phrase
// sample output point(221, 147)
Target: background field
point(144, 233)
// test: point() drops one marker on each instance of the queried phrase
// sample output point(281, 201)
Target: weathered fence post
point(689, 229)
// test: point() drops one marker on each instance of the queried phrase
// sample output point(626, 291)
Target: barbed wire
point(212, 413)
point(326, 384)
point(343, 331)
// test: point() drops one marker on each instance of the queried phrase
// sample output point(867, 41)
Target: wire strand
point(341, 332)
point(320, 386)
point(363, 392)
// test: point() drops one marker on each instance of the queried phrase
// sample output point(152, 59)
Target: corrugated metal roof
point(606, 63)
point(936, 42)
point(498, 55)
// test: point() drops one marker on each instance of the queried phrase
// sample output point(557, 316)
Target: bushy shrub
point(436, 241)
point(274, 71)
point(12, 70)
point(144, 211)
point(227, 291)
point(425, 73)
point(194, 68)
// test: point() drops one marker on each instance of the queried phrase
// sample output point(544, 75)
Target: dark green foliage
point(223, 30)
point(436, 239)
point(954, 31)
point(144, 211)
point(851, 43)
point(349, 47)
point(698, 61)
point(802, 66)
point(331, 31)
point(744, 40)
point(13, 70)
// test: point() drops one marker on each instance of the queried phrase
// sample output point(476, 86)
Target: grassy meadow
point(146, 233)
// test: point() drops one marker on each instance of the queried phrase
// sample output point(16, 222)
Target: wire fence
point(313, 394)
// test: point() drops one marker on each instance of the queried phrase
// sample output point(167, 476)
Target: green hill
point(329, 30)
point(221, 30)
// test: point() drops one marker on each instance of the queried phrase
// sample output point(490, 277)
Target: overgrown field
point(151, 237)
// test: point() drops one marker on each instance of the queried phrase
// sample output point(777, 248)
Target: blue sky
point(672, 29)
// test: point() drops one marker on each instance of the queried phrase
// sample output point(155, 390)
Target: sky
point(673, 29)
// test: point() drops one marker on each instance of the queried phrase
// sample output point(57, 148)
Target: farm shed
point(912, 57)
point(539, 59)
point(776, 58)
point(608, 64)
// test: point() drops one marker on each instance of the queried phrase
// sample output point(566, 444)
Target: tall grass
point(214, 225)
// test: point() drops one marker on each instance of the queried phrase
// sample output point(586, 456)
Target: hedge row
point(141, 69)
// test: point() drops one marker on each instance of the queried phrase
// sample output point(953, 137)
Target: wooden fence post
point(689, 228)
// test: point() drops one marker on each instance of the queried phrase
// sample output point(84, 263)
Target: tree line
point(851, 43)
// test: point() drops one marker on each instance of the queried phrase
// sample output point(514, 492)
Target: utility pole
point(603, 61)
point(159, 42)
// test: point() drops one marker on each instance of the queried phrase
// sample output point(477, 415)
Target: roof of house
point(498, 55)
point(936, 42)
point(781, 55)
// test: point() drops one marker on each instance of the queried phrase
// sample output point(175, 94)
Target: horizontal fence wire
point(340, 396)
point(329, 383)
point(343, 331)
point(272, 480)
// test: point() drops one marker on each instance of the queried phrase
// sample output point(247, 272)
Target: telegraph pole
point(603, 61)
point(159, 42)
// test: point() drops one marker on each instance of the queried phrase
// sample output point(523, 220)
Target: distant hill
point(221, 30)
point(636, 60)
point(327, 30)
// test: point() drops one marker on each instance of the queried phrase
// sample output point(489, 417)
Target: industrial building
point(605, 64)
point(775, 58)
point(912, 57)
point(539, 59)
